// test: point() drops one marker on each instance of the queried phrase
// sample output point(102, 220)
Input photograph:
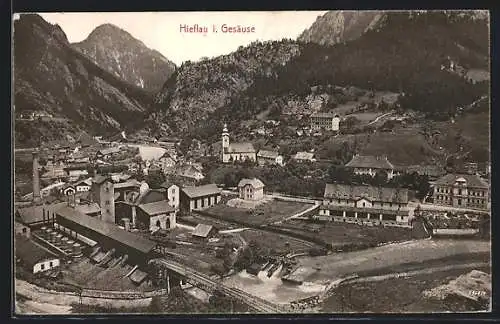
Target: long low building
point(108, 236)
point(366, 203)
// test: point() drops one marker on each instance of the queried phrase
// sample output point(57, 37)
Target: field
point(345, 236)
point(277, 244)
point(195, 219)
point(266, 213)
point(396, 295)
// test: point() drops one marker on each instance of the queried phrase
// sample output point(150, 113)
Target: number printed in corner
point(477, 293)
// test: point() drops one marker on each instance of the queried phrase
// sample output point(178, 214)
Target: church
point(236, 151)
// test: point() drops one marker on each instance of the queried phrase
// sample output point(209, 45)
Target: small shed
point(204, 231)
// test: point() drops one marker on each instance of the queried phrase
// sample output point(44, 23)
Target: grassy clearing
point(263, 214)
point(347, 236)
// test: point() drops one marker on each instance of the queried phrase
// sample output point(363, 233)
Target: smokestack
point(36, 178)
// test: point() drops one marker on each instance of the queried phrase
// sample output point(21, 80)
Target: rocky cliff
point(52, 77)
point(126, 57)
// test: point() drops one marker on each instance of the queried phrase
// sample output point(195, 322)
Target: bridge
point(208, 284)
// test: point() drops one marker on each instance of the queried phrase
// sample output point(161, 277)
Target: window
point(364, 204)
point(107, 202)
point(42, 266)
point(24, 229)
point(51, 264)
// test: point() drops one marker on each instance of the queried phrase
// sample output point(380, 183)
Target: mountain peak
point(117, 51)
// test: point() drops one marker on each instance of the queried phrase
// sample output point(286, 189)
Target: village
point(136, 218)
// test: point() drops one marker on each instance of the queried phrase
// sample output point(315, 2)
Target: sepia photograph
point(258, 162)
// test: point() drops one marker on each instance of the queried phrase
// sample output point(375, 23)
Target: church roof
point(245, 147)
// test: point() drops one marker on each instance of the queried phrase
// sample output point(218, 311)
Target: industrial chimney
point(36, 178)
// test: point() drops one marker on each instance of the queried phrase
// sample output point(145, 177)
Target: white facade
point(203, 203)
point(173, 196)
point(46, 265)
point(82, 188)
point(160, 221)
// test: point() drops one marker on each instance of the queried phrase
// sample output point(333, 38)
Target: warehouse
point(108, 236)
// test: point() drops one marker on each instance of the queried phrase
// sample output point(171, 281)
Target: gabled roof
point(201, 191)
point(86, 182)
point(34, 214)
point(471, 179)
point(245, 147)
point(369, 161)
point(268, 154)
point(303, 156)
point(30, 252)
point(381, 194)
point(202, 230)
point(133, 183)
point(109, 150)
point(256, 183)
point(323, 115)
point(112, 231)
point(167, 184)
point(157, 208)
point(88, 208)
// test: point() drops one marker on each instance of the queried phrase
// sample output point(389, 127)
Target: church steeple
point(225, 137)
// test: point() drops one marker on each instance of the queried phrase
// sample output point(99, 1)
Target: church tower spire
point(225, 144)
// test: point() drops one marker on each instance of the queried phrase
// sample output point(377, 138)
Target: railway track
point(258, 304)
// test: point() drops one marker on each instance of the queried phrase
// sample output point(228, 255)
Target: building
point(68, 189)
point(462, 191)
point(325, 121)
point(433, 172)
point(75, 171)
point(172, 194)
point(304, 157)
point(232, 152)
point(83, 185)
point(107, 152)
point(90, 209)
point(251, 189)
point(199, 197)
point(190, 172)
point(471, 167)
point(269, 157)
point(203, 231)
point(34, 257)
point(104, 194)
point(108, 237)
point(35, 216)
point(376, 204)
point(156, 215)
point(167, 162)
point(371, 165)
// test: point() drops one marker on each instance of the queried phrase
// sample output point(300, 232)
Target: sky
point(161, 30)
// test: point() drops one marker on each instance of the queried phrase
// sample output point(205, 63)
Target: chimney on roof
point(36, 178)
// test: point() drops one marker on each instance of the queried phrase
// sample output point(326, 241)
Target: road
point(254, 302)
point(338, 265)
point(451, 209)
point(379, 117)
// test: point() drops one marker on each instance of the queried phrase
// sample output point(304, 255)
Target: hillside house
point(33, 257)
point(232, 152)
point(304, 157)
point(366, 203)
point(269, 157)
point(251, 189)
point(156, 215)
point(199, 197)
point(75, 171)
point(190, 172)
point(462, 191)
point(370, 165)
point(68, 189)
point(325, 121)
